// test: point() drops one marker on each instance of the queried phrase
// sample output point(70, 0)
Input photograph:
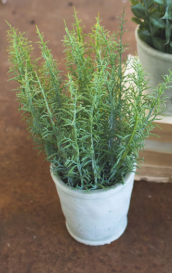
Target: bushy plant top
point(92, 124)
point(155, 22)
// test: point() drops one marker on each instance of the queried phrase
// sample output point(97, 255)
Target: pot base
point(100, 242)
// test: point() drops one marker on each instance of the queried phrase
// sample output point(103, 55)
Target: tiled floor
point(33, 237)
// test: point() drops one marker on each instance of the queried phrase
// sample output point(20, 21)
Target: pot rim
point(151, 51)
point(92, 194)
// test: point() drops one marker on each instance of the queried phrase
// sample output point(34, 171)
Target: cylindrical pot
point(157, 64)
point(96, 217)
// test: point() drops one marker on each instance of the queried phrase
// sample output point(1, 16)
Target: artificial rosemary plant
point(91, 125)
point(155, 22)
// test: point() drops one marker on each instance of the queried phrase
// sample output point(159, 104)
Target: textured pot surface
point(157, 64)
point(95, 217)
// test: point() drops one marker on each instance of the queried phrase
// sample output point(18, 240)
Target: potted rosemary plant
point(90, 125)
point(153, 36)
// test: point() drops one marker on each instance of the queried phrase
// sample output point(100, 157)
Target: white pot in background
point(96, 217)
point(157, 64)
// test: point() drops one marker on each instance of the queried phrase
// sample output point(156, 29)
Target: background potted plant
point(153, 36)
point(90, 125)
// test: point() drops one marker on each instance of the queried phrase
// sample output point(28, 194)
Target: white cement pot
point(157, 64)
point(95, 217)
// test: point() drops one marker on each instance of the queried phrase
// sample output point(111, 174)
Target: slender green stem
point(129, 143)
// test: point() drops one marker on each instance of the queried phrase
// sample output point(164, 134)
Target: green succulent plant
point(154, 18)
point(90, 125)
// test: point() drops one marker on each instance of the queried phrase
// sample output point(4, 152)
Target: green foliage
point(91, 125)
point(154, 18)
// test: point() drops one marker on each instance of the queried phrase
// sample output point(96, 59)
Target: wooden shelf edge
point(154, 173)
point(164, 120)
